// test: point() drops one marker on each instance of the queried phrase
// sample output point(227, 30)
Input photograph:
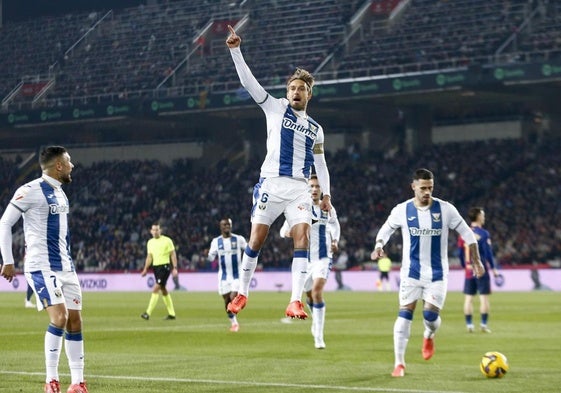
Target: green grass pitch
point(197, 353)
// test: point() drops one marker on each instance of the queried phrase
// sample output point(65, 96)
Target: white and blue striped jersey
point(291, 134)
point(229, 252)
point(424, 231)
point(325, 228)
point(44, 207)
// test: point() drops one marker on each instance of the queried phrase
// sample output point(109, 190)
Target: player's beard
point(66, 179)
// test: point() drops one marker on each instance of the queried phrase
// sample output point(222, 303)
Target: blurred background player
point(228, 247)
point(162, 257)
point(339, 266)
point(176, 285)
point(28, 296)
point(384, 267)
point(48, 265)
point(294, 144)
point(425, 222)
point(324, 240)
point(472, 284)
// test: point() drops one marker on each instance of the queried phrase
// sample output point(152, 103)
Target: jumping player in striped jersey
point(228, 248)
point(324, 241)
point(48, 265)
point(472, 284)
point(425, 222)
point(294, 144)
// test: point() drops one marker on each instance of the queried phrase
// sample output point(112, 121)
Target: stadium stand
point(114, 203)
point(543, 40)
point(177, 47)
point(31, 49)
point(133, 51)
point(434, 35)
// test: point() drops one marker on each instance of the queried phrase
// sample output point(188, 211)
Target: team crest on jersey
point(58, 293)
point(436, 217)
point(58, 209)
point(262, 206)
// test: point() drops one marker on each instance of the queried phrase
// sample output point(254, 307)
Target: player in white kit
point(228, 248)
point(425, 222)
point(48, 265)
point(294, 144)
point(324, 241)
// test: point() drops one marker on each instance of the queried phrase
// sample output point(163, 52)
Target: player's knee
point(430, 315)
point(406, 314)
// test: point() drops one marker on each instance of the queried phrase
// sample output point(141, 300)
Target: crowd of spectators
point(113, 204)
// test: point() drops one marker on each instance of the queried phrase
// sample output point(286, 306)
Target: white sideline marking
point(244, 383)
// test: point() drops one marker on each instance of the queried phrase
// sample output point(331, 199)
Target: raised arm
point(248, 81)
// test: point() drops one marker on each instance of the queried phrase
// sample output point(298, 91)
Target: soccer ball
point(494, 365)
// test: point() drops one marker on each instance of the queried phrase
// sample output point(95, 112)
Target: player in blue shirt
point(472, 284)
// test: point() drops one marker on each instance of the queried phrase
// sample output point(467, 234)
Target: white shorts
point(433, 292)
point(276, 195)
point(55, 288)
point(227, 286)
point(317, 269)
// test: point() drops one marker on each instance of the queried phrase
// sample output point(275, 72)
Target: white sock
point(246, 272)
point(318, 316)
point(74, 347)
point(299, 274)
point(431, 327)
point(401, 333)
point(53, 347)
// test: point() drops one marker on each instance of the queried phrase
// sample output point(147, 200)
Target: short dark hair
point(474, 212)
point(422, 174)
point(49, 153)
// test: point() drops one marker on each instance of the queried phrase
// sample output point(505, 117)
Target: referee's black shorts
point(162, 272)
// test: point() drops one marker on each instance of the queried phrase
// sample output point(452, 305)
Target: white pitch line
point(245, 383)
